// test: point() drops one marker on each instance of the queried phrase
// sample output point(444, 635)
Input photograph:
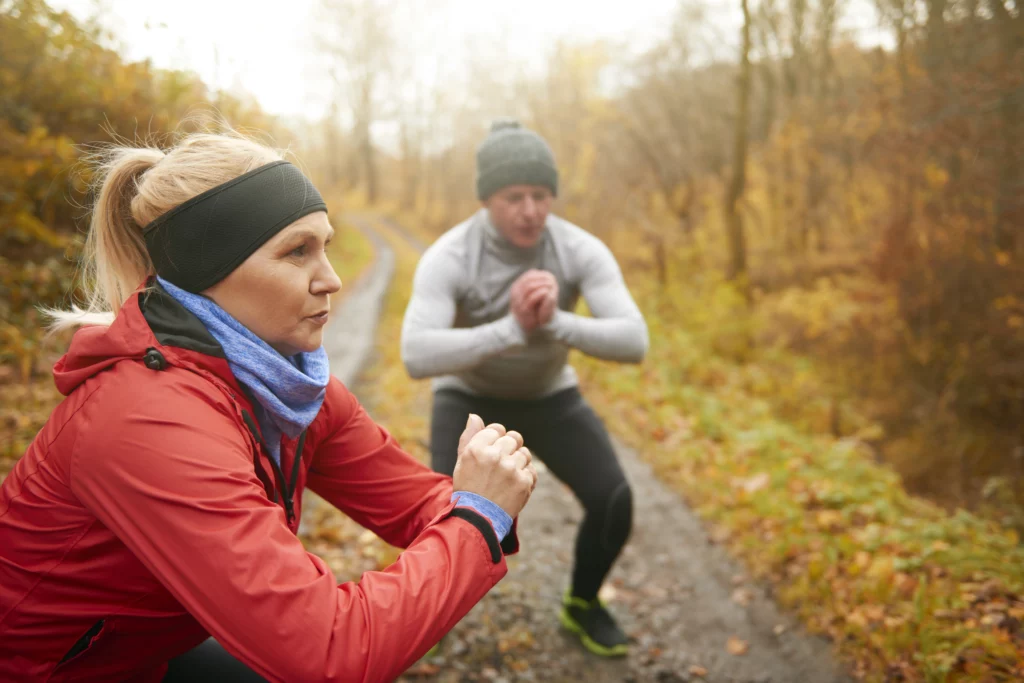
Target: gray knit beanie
point(513, 155)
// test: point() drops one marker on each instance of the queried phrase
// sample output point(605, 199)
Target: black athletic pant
point(565, 433)
point(208, 662)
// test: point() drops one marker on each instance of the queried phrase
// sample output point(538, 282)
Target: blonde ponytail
point(135, 186)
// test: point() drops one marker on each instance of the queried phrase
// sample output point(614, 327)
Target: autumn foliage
point(836, 377)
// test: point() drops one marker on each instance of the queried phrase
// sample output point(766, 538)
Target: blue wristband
point(498, 518)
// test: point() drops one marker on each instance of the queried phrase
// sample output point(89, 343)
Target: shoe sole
point(593, 646)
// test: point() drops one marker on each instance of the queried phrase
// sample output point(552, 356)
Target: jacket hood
point(151, 327)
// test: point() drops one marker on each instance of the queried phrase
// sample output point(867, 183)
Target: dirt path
point(679, 596)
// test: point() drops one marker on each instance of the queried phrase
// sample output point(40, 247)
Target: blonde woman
point(158, 505)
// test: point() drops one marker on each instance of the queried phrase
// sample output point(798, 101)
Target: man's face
point(519, 212)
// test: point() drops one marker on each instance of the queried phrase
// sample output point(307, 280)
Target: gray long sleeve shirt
point(459, 329)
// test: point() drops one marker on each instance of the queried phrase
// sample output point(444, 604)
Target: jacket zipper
point(288, 489)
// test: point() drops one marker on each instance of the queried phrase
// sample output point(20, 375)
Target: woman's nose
point(326, 280)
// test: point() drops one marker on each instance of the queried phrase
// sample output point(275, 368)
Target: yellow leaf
point(857, 618)
point(936, 176)
point(829, 518)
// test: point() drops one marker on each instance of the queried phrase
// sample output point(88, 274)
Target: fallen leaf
point(423, 669)
point(520, 665)
point(607, 592)
point(874, 612)
point(742, 596)
point(905, 583)
point(719, 534)
point(756, 482)
point(992, 619)
point(737, 647)
point(893, 623)
point(699, 671)
point(828, 519)
point(857, 618)
point(779, 629)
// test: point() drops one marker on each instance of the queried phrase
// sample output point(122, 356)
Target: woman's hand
point(494, 464)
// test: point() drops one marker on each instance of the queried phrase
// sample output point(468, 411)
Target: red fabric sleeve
point(173, 479)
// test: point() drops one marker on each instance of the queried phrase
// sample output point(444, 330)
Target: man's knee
point(618, 516)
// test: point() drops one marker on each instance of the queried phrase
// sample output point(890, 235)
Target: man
point(491, 319)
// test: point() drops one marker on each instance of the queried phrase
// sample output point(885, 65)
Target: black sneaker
point(594, 625)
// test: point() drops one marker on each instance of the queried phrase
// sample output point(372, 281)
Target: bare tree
point(734, 219)
point(669, 119)
point(358, 39)
point(817, 179)
point(1009, 18)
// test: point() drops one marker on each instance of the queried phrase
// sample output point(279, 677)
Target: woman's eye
point(298, 251)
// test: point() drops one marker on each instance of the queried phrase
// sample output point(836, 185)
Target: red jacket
point(145, 517)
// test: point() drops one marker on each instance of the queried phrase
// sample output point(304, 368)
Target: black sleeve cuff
point(485, 528)
point(510, 544)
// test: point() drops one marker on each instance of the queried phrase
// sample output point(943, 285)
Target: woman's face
point(282, 291)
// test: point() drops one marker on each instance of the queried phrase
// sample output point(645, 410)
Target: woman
point(158, 505)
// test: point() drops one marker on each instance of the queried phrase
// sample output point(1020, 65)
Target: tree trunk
point(366, 150)
point(1010, 199)
point(734, 220)
point(410, 168)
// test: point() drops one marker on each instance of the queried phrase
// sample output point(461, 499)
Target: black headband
point(197, 244)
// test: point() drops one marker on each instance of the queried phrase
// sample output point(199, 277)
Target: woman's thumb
point(473, 425)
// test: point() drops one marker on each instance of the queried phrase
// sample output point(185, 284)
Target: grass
point(350, 252)
point(907, 590)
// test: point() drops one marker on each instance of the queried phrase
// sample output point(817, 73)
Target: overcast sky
point(265, 47)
